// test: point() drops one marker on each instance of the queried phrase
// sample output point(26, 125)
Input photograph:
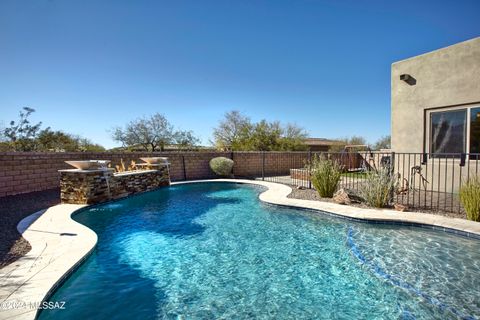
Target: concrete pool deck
point(59, 244)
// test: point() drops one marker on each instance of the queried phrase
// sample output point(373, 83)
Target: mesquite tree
point(153, 134)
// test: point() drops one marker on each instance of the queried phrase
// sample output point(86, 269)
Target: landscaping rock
point(346, 196)
point(400, 207)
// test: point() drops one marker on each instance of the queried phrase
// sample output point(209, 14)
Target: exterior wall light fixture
point(408, 79)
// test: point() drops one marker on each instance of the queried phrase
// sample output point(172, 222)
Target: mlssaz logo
point(49, 305)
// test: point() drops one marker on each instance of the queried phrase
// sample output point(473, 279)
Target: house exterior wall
point(445, 78)
point(318, 148)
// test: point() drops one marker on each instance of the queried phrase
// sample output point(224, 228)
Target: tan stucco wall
point(445, 77)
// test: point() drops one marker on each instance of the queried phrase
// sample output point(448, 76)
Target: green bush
point(325, 176)
point(470, 198)
point(378, 187)
point(222, 166)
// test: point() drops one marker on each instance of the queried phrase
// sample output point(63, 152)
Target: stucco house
point(435, 101)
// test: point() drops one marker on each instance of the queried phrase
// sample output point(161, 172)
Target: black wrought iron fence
point(424, 181)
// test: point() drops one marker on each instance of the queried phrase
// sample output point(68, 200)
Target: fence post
point(392, 162)
point(263, 165)
point(309, 169)
point(463, 157)
point(233, 168)
point(392, 172)
point(184, 168)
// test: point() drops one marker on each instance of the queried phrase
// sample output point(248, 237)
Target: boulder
point(346, 196)
point(400, 207)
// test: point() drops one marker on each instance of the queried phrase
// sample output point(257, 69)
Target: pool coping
point(60, 244)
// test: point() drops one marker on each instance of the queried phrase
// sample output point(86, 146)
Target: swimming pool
point(213, 250)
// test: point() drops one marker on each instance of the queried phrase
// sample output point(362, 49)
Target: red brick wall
point(22, 172)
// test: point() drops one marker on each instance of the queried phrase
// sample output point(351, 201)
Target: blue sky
point(87, 66)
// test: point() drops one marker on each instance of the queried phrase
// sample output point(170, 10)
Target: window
point(455, 131)
point(475, 130)
point(448, 131)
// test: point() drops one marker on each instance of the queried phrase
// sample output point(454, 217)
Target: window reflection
point(448, 131)
point(475, 130)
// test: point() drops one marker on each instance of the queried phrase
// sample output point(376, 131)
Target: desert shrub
point(378, 187)
point(470, 198)
point(325, 175)
point(222, 166)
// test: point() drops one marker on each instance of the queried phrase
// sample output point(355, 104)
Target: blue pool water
point(209, 251)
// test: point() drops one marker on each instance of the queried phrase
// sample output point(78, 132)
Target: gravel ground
point(12, 210)
point(311, 194)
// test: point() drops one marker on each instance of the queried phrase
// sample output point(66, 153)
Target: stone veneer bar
point(101, 185)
